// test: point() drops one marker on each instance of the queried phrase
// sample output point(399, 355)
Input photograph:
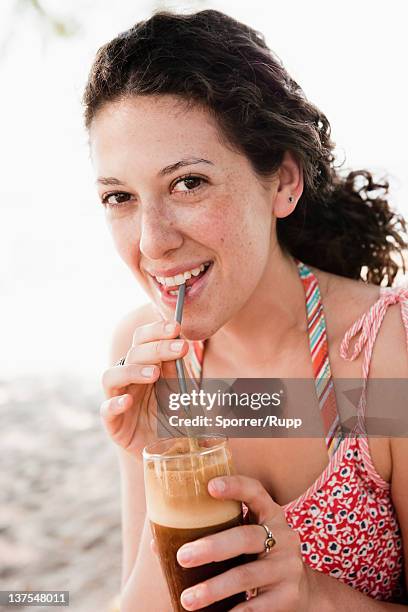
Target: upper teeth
point(179, 279)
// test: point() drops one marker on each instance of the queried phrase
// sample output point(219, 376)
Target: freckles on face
point(225, 216)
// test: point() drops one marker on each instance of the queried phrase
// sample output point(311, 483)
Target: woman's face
point(176, 199)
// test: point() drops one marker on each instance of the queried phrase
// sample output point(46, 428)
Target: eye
point(191, 182)
point(117, 198)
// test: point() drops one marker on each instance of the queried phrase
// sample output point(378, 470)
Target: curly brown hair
point(341, 224)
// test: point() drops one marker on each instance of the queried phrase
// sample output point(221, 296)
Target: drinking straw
point(178, 316)
point(193, 443)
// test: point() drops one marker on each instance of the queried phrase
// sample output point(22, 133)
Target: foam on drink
point(178, 497)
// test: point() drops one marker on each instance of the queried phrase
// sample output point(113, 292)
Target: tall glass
point(181, 510)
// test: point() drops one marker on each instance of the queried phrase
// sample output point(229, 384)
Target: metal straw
point(192, 442)
point(179, 315)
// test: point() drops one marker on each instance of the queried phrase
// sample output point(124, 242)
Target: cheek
point(126, 240)
point(220, 224)
point(241, 228)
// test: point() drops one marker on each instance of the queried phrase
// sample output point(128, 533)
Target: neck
point(274, 315)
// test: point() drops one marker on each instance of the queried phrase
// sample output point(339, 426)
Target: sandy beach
point(59, 501)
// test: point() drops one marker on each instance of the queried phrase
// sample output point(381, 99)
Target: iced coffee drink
point(181, 510)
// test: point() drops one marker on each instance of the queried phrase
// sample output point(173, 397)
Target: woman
point(207, 152)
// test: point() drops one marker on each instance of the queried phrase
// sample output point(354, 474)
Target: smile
point(188, 277)
point(168, 285)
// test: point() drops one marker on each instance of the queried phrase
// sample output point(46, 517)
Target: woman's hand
point(129, 413)
point(281, 576)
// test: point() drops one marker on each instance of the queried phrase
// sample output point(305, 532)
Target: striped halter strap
point(319, 350)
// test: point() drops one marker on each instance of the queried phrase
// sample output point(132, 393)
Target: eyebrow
point(111, 180)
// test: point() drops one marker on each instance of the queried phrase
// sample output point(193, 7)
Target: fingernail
point(118, 405)
point(219, 484)
point(147, 371)
point(189, 597)
point(176, 346)
point(169, 328)
point(185, 553)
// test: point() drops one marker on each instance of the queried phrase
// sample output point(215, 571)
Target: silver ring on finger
point(252, 593)
point(270, 541)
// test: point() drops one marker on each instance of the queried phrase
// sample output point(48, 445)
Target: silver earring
point(291, 199)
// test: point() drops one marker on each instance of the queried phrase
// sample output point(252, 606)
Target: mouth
point(193, 279)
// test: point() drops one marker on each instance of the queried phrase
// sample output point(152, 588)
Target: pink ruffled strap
point(369, 324)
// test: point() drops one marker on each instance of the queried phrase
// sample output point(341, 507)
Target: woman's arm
point(133, 510)
point(330, 594)
point(143, 587)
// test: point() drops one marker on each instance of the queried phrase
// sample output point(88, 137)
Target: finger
point(241, 578)
point(245, 539)
point(248, 490)
point(122, 376)
point(110, 408)
point(169, 371)
point(155, 331)
point(157, 351)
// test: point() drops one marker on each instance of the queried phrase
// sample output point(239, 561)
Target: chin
point(198, 330)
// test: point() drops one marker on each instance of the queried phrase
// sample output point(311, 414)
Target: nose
point(158, 233)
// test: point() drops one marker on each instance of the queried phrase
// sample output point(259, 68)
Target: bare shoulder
point(345, 300)
point(123, 332)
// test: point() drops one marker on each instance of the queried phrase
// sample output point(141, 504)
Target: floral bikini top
point(346, 519)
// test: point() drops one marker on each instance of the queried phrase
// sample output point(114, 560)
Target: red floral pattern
point(348, 526)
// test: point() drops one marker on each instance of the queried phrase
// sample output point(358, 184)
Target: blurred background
point(62, 286)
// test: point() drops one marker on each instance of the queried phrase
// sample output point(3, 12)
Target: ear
point(290, 183)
